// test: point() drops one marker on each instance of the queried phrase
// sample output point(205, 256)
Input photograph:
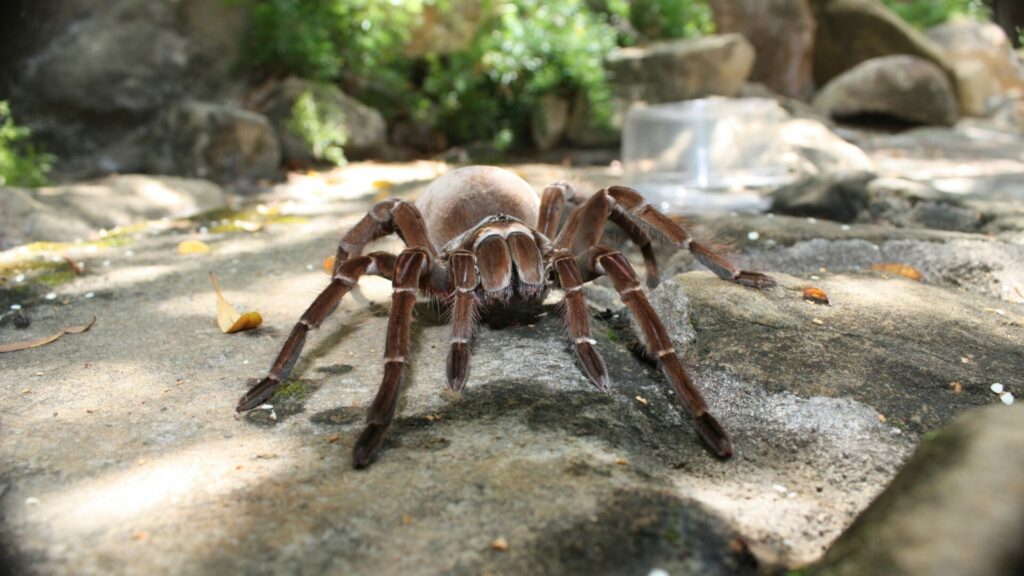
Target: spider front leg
point(578, 318)
point(601, 260)
point(464, 280)
point(408, 270)
point(630, 202)
point(343, 280)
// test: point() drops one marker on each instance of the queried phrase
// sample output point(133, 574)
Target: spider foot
point(257, 395)
point(368, 444)
point(714, 435)
point(754, 279)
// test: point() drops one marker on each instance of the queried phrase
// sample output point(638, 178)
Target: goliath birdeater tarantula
point(481, 236)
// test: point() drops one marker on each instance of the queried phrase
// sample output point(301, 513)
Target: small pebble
point(266, 406)
point(658, 572)
point(21, 321)
point(753, 235)
point(1007, 398)
point(129, 253)
point(845, 226)
point(812, 220)
point(106, 263)
point(15, 306)
point(309, 266)
point(51, 296)
point(499, 544)
point(19, 278)
point(90, 294)
point(31, 501)
point(779, 488)
point(997, 388)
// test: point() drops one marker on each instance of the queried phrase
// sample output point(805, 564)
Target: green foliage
point(20, 163)
point(534, 48)
point(528, 49)
point(322, 125)
point(671, 18)
point(924, 14)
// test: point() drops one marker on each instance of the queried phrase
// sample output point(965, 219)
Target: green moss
point(55, 278)
point(293, 389)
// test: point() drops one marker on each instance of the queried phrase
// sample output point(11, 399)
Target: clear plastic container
point(706, 155)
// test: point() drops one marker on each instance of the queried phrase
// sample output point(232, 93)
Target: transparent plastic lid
point(711, 154)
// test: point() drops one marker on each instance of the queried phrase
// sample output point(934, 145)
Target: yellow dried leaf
point(899, 269)
point(329, 264)
point(382, 185)
point(193, 247)
point(816, 295)
point(16, 346)
point(229, 319)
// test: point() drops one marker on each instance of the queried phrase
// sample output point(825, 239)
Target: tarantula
point(481, 236)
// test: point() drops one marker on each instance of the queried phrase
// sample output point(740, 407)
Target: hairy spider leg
point(343, 280)
point(384, 218)
point(552, 201)
point(577, 318)
point(635, 206)
point(602, 260)
point(464, 313)
point(409, 267)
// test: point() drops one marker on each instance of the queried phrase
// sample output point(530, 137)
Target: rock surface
point(364, 127)
point(782, 33)
point(971, 470)
point(902, 87)
point(222, 143)
point(852, 31)
point(121, 449)
point(984, 62)
point(76, 211)
point(674, 70)
point(93, 72)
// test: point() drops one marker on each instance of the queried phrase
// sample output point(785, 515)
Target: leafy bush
point(322, 125)
point(20, 163)
point(671, 18)
point(529, 49)
point(924, 14)
point(533, 49)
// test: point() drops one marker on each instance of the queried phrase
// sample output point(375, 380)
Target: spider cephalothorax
point(481, 235)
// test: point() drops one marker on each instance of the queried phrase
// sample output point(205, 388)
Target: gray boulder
point(92, 74)
point(903, 87)
point(675, 70)
point(72, 211)
point(782, 33)
point(840, 196)
point(984, 62)
point(665, 71)
point(364, 127)
point(222, 143)
point(852, 31)
point(956, 508)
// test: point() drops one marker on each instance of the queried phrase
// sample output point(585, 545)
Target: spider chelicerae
point(480, 236)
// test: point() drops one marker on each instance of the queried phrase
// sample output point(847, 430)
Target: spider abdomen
point(462, 198)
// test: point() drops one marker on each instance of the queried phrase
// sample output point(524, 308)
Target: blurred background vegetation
point(485, 83)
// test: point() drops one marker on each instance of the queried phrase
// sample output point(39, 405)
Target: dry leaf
point(499, 544)
point(816, 295)
point(16, 346)
point(229, 320)
point(382, 184)
point(329, 264)
point(193, 247)
point(899, 269)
